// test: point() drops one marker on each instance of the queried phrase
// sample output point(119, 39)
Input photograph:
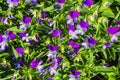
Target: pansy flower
point(52, 51)
point(12, 3)
point(114, 31)
point(72, 17)
point(34, 63)
point(4, 20)
point(40, 67)
point(82, 27)
point(106, 45)
point(25, 23)
point(87, 2)
point(10, 35)
point(55, 65)
point(56, 33)
point(20, 51)
point(74, 75)
point(88, 42)
point(50, 22)
point(49, 79)
point(3, 43)
point(58, 4)
point(34, 2)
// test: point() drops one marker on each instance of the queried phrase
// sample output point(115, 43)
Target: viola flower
point(55, 65)
point(61, 1)
point(88, 3)
point(39, 21)
point(58, 6)
point(40, 67)
point(106, 45)
point(34, 63)
point(82, 27)
point(25, 36)
point(52, 51)
point(20, 51)
point(34, 2)
point(73, 35)
point(4, 20)
point(49, 79)
point(114, 31)
point(3, 46)
point(25, 23)
point(88, 42)
point(12, 3)
point(50, 23)
point(17, 66)
point(106, 65)
point(72, 17)
point(1, 38)
point(71, 28)
point(117, 21)
point(71, 43)
point(56, 33)
point(74, 75)
point(10, 35)
point(44, 15)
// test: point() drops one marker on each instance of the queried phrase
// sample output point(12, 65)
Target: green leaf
point(103, 69)
point(4, 54)
point(107, 12)
point(15, 29)
point(49, 8)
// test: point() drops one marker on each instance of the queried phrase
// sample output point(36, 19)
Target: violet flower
point(56, 33)
point(114, 31)
point(61, 1)
point(25, 23)
point(106, 45)
point(73, 35)
point(20, 51)
point(10, 35)
point(12, 3)
point(88, 42)
point(4, 20)
point(49, 79)
point(74, 75)
point(72, 17)
point(50, 23)
point(34, 63)
point(40, 67)
point(82, 27)
point(88, 3)
point(55, 65)
point(34, 2)
point(58, 6)
point(52, 51)
point(39, 21)
point(44, 15)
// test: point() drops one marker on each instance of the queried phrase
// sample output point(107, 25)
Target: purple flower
point(61, 1)
point(117, 21)
point(3, 46)
point(73, 35)
point(56, 33)
point(88, 2)
point(74, 14)
point(58, 6)
point(84, 24)
point(10, 34)
point(71, 43)
point(106, 45)
point(4, 20)
point(50, 22)
point(34, 2)
point(44, 15)
point(106, 65)
point(113, 30)
point(39, 21)
point(1, 38)
point(12, 3)
point(34, 63)
point(52, 52)
point(20, 51)
point(22, 34)
point(49, 79)
point(72, 17)
point(70, 27)
point(26, 19)
point(88, 42)
point(74, 75)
